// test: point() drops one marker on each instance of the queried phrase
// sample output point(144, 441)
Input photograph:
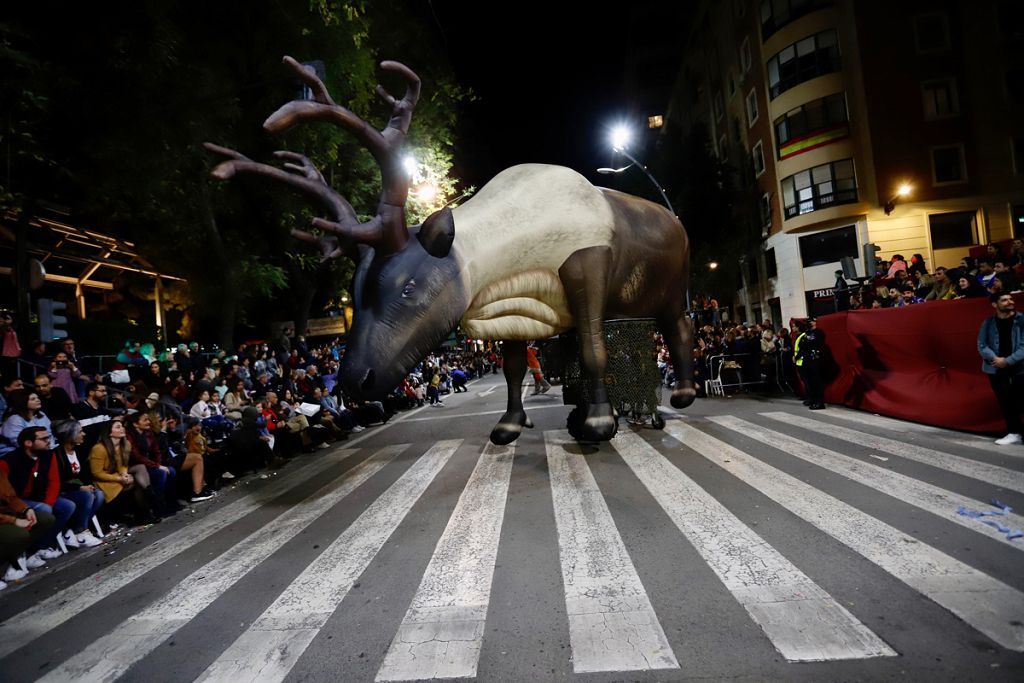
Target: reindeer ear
point(437, 233)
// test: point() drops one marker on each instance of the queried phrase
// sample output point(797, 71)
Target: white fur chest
point(514, 235)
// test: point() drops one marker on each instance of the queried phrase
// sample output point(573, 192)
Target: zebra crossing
point(613, 619)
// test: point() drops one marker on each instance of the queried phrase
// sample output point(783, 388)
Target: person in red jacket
point(151, 466)
point(33, 472)
point(20, 528)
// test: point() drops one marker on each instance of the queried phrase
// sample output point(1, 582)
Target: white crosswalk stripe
point(992, 474)
point(920, 494)
point(985, 603)
point(113, 654)
point(442, 633)
point(269, 649)
point(612, 625)
point(53, 611)
point(803, 622)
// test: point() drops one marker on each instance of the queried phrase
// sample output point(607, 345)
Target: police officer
point(812, 350)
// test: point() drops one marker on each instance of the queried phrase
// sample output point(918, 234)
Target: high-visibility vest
point(799, 361)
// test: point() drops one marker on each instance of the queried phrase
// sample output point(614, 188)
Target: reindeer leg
point(585, 278)
point(678, 331)
point(512, 422)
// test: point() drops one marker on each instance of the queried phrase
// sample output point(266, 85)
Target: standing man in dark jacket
point(1001, 345)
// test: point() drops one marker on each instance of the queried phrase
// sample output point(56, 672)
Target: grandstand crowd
point(83, 451)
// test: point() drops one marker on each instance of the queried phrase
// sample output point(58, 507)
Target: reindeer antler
point(303, 176)
point(387, 230)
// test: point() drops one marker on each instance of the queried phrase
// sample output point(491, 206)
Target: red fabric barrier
point(917, 363)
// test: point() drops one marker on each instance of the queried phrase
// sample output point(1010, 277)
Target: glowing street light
point(712, 265)
point(904, 191)
point(620, 138)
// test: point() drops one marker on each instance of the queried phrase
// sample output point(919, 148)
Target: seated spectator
point(25, 411)
point(1016, 257)
point(1005, 273)
point(76, 485)
point(109, 465)
point(131, 354)
point(917, 265)
point(896, 264)
point(146, 464)
point(172, 442)
point(21, 528)
point(64, 373)
point(215, 406)
point(969, 288)
point(968, 266)
point(343, 419)
point(992, 251)
point(201, 408)
point(908, 297)
point(33, 473)
point(986, 271)
point(942, 289)
point(235, 400)
point(56, 402)
point(248, 447)
point(9, 386)
point(155, 379)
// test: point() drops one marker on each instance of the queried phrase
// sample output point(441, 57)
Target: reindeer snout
point(366, 384)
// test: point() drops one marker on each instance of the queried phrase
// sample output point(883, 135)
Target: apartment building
point(859, 122)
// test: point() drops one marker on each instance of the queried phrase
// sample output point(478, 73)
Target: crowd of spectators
point(158, 432)
point(900, 283)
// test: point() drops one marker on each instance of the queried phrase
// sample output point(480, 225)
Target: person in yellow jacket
point(108, 461)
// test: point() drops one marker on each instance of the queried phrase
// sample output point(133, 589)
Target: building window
point(809, 58)
point(819, 188)
point(655, 121)
point(953, 230)
point(1017, 151)
point(828, 247)
point(777, 13)
point(751, 107)
point(812, 125)
point(771, 269)
point(948, 165)
point(766, 211)
point(719, 106)
point(758, 157)
point(940, 99)
point(1015, 86)
point(931, 32)
point(745, 59)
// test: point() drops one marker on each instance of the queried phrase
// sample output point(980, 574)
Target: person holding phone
point(64, 373)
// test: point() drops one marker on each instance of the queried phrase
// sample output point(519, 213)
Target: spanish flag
point(813, 140)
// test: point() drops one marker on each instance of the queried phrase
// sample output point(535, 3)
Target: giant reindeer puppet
point(536, 252)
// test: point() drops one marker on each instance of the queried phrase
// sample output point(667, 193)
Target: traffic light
point(50, 319)
point(871, 259)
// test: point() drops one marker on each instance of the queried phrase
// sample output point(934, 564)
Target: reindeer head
point(408, 294)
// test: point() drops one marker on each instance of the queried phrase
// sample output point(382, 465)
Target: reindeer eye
point(409, 288)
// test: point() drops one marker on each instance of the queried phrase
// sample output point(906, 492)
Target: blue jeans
point(87, 503)
point(163, 484)
point(62, 510)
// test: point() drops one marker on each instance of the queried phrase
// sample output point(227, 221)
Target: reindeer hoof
point(683, 395)
point(509, 428)
point(600, 423)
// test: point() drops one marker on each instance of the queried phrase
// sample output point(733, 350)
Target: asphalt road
point(751, 539)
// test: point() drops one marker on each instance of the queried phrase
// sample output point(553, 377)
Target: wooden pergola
point(77, 256)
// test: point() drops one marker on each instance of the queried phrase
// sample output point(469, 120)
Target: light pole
point(620, 139)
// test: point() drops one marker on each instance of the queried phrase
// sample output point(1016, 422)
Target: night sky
point(551, 80)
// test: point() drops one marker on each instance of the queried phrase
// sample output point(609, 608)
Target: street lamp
point(903, 191)
point(713, 265)
point(620, 138)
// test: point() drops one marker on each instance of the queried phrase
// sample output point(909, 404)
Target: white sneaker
point(87, 539)
point(33, 562)
point(70, 540)
point(49, 553)
point(13, 574)
point(1009, 440)
point(358, 428)
point(227, 475)
point(2, 585)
